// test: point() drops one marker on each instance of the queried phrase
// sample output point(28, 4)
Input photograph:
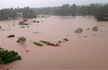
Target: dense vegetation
point(38, 44)
point(95, 28)
point(8, 56)
point(45, 42)
point(96, 10)
point(25, 12)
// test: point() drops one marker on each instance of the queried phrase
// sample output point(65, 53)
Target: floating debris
point(55, 45)
point(66, 39)
point(94, 35)
point(51, 44)
point(60, 41)
point(27, 51)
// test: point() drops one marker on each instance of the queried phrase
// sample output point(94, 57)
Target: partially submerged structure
point(24, 22)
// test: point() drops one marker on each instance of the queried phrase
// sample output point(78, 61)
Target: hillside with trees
point(12, 13)
point(96, 10)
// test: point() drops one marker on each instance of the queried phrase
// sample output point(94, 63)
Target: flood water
point(86, 50)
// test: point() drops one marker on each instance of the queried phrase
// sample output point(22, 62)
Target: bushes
point(45, 42)
point(22, 27)
point(34, 21)
point(21, 23)
point(21, 39)
point(95, 28)
point(38, 44)
point(8, 56)
point(79, 30)
point(11, 36)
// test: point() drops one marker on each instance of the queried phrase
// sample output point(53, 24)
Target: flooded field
point(86, 50)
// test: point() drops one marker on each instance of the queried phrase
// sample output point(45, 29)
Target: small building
point(19, 15)
point(106, 16)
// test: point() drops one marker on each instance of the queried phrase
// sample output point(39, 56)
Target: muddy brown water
point(87, 50)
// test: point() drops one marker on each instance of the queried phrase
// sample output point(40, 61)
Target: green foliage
point(34, 21)
point(8, 56)
point(45, 42)
point(38, 44)
point(21, 39)
point(0, 27)
point(11, 36)
point(22, 27)
point(95, 28)
point(37, 21)
point(79, 30)
point(96, 10)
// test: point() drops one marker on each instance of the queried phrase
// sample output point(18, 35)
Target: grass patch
point(45, 42)
point(21, 23)
point(8, 56)
point(38, 44)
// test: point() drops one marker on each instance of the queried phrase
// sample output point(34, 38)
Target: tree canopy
point(96, 10)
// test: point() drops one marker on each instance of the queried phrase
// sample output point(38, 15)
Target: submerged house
point(19, 15)
point(26, 22)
